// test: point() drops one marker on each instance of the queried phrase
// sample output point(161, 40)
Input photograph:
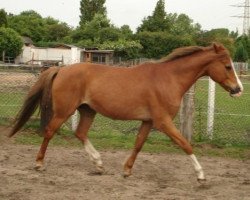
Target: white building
point(61, 54)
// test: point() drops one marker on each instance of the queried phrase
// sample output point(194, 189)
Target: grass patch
point(156, 143)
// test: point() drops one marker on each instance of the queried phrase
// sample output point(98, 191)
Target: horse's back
point(113, 91)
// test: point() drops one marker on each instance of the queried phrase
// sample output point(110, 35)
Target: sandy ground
point(70, 175)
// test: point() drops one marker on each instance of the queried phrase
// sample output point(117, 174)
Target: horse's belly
point(117, 100)
point(122, 111)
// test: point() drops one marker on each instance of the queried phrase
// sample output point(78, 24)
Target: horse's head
point(222, 71)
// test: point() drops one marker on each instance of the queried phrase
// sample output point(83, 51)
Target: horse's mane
point(181, 52)
point(186, 51)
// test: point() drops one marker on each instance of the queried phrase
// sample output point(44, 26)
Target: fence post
point(210, 111)
point(3, 53)
point(74, 121)
point(187, 114)
point(74, 118)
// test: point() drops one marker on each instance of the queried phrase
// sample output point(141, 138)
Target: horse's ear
point(218, 47)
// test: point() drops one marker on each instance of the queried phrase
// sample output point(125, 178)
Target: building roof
point(99, 51)
point(65, 46)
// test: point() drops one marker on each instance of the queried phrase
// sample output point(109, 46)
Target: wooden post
point(62, 60)
point(187, 114)
point(3, 56)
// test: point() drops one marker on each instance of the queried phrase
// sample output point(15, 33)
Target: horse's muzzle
point(235, 92)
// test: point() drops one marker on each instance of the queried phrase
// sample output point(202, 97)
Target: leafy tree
point(89, 8)
point(159, 44)
point(86, 43)
point(159, 12)
point(126, 32)
point(28, 23)
point(214, 35)
point(55, 30)
point(245, 41)
point(160, 33)
point(3, 18)
point(221, 35)
point(99, 32)
point(123, 48)
point(158, 21)
point(91, 31)
point(109, 34)
point(10, 42)
point(234, 34)
point(183, 25)
point(40, 30)
point(241, 54)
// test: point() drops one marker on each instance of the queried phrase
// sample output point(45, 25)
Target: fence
point(227, 120)
point(231, 122)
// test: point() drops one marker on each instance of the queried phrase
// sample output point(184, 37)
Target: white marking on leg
point(197, 167)
point(93, 154)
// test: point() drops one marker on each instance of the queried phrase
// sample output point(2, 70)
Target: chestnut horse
point(150, 92)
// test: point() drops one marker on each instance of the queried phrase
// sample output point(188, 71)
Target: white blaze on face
point(237, 78)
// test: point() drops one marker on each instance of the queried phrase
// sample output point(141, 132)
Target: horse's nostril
point(236, 90)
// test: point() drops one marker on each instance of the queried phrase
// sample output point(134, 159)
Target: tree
point(109, 34)
point(40, 30)
point(240, 53)
point(123, 48)
point(160, 33)
point(221, 35)
point(92, 30)
point(126, 32)
point(89, 8)
point(28, 23)
point(159, 44)
point(159, 12)
point(156, 22)
point(245, 41)
point(10, 42)
point(3, 18)
point(183, 25)
point(55, 30)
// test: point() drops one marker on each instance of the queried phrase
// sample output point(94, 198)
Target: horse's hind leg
point(86, 118)
point(141, 138)
point(50, 130)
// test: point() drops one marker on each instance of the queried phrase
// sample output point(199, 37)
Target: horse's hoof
point(100, 170)
point(201, 181)
point(127, 173)
point(203, 184)
point(39, 166)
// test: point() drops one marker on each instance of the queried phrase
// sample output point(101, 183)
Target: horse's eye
point(228, 67)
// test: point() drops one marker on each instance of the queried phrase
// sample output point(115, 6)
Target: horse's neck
point(188, 70)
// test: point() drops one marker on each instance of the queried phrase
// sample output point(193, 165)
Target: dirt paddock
point(70, 175)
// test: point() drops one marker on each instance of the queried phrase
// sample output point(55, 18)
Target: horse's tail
point(40, 93)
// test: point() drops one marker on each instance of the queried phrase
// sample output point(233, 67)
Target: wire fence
point(231, 115)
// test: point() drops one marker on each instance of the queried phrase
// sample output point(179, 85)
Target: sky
point(209, 14)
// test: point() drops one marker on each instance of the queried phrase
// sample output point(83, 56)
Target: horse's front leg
point(167, 126)
point(141, 137)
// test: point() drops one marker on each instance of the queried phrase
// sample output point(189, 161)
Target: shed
point(98, 56)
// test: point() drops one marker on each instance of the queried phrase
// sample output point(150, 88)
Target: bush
point(10, 42)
